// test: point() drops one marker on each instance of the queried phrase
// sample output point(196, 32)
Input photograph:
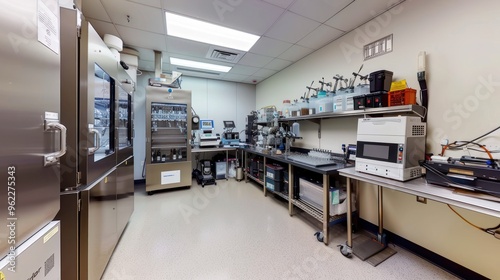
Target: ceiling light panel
point(199, 65)
point(254, 17)
point(196, 30)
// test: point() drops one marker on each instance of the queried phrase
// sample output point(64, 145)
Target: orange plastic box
point(406, 96)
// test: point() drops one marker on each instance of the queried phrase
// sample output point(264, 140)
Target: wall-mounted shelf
point(404, 109)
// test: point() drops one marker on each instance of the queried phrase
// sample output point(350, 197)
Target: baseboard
point(438, 260)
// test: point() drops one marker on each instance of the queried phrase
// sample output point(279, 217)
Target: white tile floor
point(231, 231)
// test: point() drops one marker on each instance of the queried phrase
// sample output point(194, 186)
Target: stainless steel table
point(417, 187)
point(216, 149)
point(321, 215)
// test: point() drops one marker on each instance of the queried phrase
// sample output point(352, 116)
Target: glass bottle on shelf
point(163, 158)
point(179, 154)
point(158, 156)
point(153, 156)
point(174, 156)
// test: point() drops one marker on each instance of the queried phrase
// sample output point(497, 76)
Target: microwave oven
point(391, 147)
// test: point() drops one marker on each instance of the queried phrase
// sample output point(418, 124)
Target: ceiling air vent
point(223, 54)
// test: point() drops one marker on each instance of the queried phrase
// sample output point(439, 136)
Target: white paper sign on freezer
point(170, 177)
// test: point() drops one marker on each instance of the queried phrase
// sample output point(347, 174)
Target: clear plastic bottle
point(294, 109)
point(304, 108)
point(296, 129)
point(312, 105)
point(325, 104)
point(285, 109)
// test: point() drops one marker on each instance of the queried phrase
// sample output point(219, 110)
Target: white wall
point(462, 41)
point(211, 99)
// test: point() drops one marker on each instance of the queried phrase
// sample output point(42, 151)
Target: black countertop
point(327, 170)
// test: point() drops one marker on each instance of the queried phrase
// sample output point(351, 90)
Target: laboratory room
point(249, 139)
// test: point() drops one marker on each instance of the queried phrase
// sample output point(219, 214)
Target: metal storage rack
point(326, 171)
point(313, 210)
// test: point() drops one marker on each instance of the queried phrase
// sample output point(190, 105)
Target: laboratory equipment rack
point(324, 171)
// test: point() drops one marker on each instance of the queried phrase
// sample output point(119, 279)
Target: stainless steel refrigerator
point(97, 187)
point(32, 138)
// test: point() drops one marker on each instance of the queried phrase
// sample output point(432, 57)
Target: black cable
point(477, 138)
point(491, 152)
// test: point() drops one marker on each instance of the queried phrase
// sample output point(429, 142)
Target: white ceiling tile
point(269, 47)
point(264, 73)
point(273, 52)
point(103, 27)
point(152, 3)
point(320, 37)
point(280, 3)
point(291, 28)
point(250, 16)
point(235, 77)
point(255, 60)
point(94, 9)
point(278, 64)
point(295, 53)
point(359, 12)
point(187, 47)
point(141, 16)
point(243, 70)
point(319, 10)
point(142, 39)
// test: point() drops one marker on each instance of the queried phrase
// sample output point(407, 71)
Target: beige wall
point(462, 41)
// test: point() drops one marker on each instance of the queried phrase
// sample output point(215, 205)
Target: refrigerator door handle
point(97, 142)
point(52, 158)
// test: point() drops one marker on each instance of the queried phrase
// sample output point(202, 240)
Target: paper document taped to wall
point(170, 177)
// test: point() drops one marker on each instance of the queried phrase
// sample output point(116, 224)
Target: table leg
point(290, 189)
point(227, 164)
point(381, 236)
point(264, 177)
point(245, 165)
point(326, 207)
point(349, 213)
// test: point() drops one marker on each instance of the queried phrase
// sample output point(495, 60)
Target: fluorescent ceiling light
point(200, 31)
point(199, 65)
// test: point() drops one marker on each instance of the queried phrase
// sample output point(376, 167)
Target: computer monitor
point(206, 124)
point(229, 124)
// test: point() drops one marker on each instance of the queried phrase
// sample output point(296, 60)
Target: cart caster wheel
point(345, 251)
point(202, 185)
point(215, 183)
point(149, 193)
point(319, 236)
